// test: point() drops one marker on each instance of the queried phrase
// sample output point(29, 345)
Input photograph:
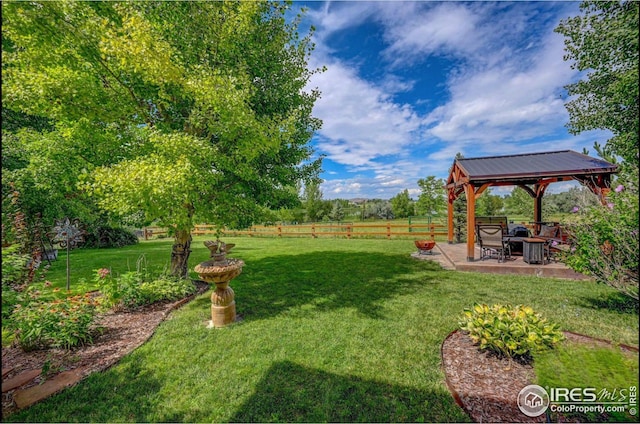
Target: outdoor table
point(533, 250)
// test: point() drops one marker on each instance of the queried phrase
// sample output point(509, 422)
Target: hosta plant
point(514, 332)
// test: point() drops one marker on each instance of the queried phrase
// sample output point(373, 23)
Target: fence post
point(280, 230)
point(388, 230)
point(313, 230)
point(348, 232)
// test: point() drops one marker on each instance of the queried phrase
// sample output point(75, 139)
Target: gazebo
point(533, 172)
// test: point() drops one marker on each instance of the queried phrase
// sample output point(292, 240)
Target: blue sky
point(410, 84)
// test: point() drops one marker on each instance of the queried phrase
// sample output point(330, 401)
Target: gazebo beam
point(481, 190)
point(528, 190)
point(600, 185)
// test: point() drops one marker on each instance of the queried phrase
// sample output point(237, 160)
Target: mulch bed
point(487, 386)
point(123, 331)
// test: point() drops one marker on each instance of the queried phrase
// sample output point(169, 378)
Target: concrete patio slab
point(454, 257)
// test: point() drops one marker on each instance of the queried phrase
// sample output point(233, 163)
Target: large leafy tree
point(519, 202)
point(603, 42)
point(191, 110)
point(41, 166)
point(312, 202)
point(433, 196)
point(377, 209)
point(402, 205)
point(489, 204)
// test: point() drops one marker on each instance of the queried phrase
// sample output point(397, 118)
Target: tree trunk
point(180, 254)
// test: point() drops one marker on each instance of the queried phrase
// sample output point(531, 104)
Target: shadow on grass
point(121, 394)
point(616, 302)
point(326, 280)
point(293, 393)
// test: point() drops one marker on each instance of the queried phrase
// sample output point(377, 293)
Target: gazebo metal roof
point(529, 168)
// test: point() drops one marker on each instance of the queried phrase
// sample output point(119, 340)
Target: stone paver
point(20, 379)
point(7, 371)
point(27, 397)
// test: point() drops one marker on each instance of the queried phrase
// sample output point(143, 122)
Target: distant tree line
point(431, 202)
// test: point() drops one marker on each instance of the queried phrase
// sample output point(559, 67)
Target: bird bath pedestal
point(220, 271)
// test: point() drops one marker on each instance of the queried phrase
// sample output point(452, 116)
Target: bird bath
point(220, 270)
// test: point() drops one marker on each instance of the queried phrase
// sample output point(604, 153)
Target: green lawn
point(332, 330)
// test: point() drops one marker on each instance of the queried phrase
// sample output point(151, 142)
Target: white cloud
point(417, 31)
point(360, 120)
point(334, 17)
point(398, 182)
point(508, 102)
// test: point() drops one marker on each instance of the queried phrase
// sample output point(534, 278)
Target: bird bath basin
point(425, 246)
point(220, 270)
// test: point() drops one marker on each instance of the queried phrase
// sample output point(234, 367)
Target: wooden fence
point(337, 230)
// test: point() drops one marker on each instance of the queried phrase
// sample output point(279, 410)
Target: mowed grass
point(332, 331)
point(578, 365)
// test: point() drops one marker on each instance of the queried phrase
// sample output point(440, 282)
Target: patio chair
point(556, 238)
point(556, 251)
point(492, 243)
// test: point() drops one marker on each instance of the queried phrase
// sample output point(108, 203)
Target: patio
point(454, 257)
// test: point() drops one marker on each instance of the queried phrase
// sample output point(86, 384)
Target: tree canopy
point(433, 196)
point(178, 111)
point(603, 42)
point(402, 205)
point(489, 204)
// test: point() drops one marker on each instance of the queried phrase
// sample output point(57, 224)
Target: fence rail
point(336, 230)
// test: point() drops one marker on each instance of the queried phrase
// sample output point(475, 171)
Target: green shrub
point(14, 274)
point(510, 331)
point(119, 292)
point(166, 288)
point(14, 265)
point(605, 241)
point(8, 336)
point(64, 323)
point(9, 301)
point(104, 236)
point(134, 289)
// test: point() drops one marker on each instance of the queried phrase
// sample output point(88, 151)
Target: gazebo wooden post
point(450, 216)
point(471, 221)
point(537, 214)
point(537, 205)
point(537, 210)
